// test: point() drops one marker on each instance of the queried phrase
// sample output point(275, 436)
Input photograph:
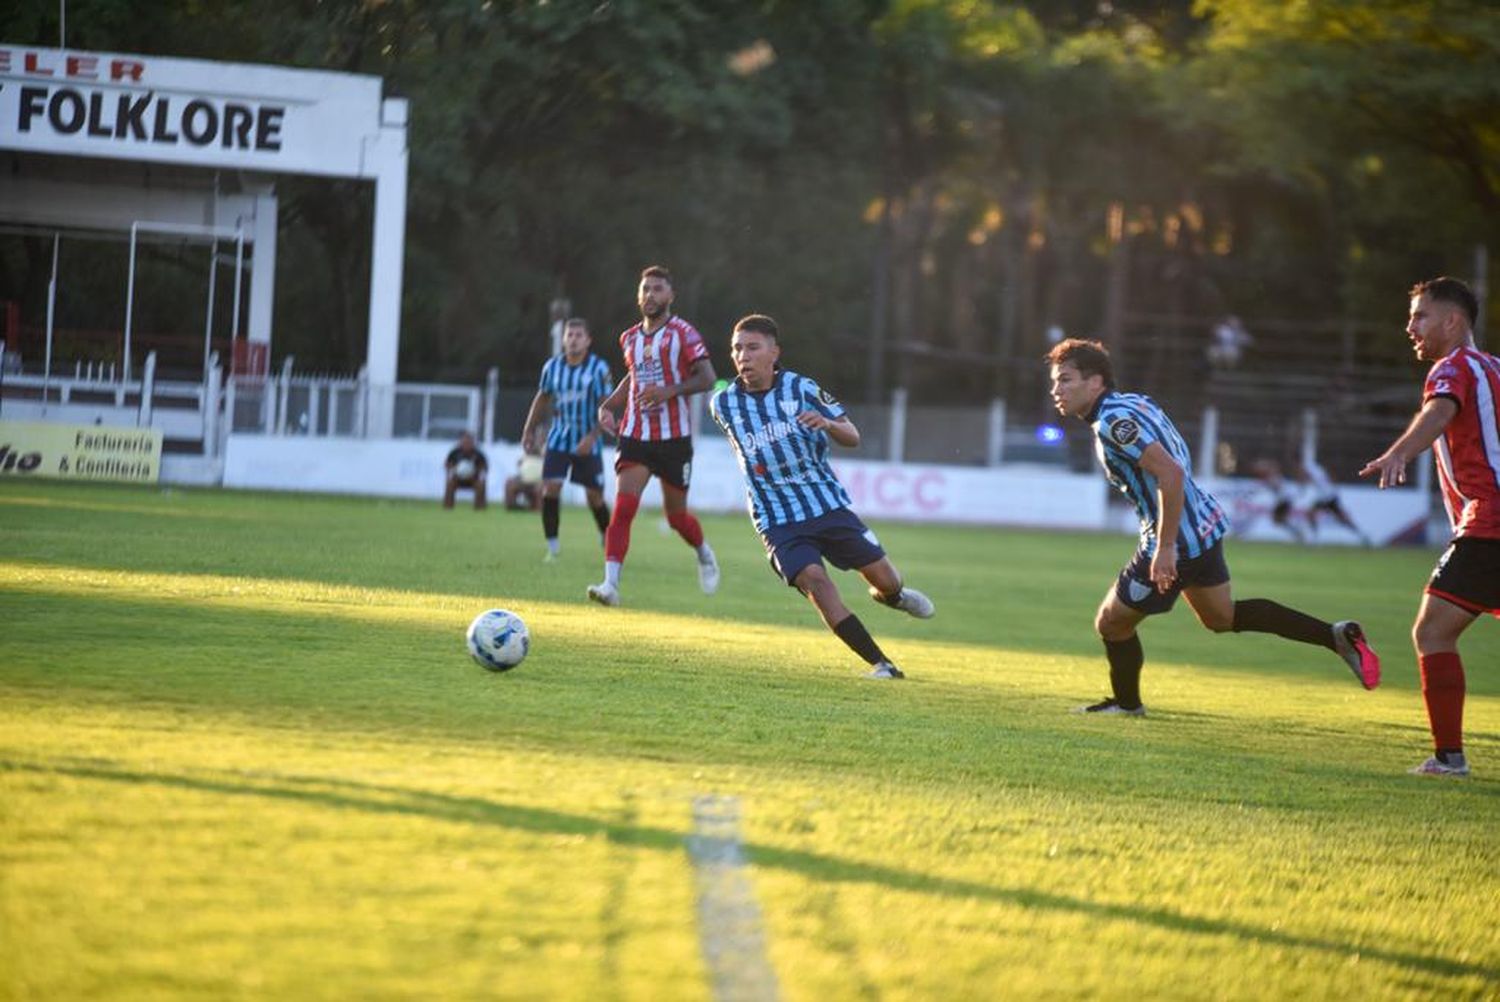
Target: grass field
point(244, 755)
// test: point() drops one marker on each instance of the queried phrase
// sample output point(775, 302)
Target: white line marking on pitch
point(729, 926)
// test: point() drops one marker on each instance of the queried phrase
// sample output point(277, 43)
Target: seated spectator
point(466, 470)
point(523, 491)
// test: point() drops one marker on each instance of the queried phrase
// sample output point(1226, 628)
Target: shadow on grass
point(379, 799)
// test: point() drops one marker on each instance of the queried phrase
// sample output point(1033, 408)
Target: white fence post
point(1208, 443)
point(1309, 435)
point(995, 454)
point(213, 388)
point(361, 402)
point(283, 391)
point(897, 445)
point(148, 391)
point(491, 403)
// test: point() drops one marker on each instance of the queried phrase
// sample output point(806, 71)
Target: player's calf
point(908, 600)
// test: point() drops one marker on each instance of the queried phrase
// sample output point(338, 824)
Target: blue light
point(1049, 434)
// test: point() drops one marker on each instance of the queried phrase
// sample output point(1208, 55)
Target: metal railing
point(1244, 418)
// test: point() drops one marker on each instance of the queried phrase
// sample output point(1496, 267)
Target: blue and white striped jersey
point(577, 391)
point(1125, 424)
point(787, 475)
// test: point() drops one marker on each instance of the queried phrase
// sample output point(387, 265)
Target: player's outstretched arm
point(613, 403)
point(841, 430)
point(700, 377)
point(1390, 465)
point(541, 408)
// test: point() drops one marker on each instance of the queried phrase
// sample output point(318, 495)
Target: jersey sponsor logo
point(1124, 431)
point(649, 372)
point(765, 437)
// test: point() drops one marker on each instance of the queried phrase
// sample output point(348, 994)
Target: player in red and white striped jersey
point(666, 362)
point(1460, 419)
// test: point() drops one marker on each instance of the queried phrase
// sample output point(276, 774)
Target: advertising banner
point(80, 452)
point(186, 111)
point(882, 491)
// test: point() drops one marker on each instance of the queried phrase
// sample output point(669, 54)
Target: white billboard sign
point(187, 111)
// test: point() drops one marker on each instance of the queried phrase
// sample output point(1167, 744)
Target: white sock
point(554, 546)
point(612, 572)
point(705, 553)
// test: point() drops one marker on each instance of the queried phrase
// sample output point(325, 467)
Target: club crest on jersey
point(1124, 431)
point(788, 407)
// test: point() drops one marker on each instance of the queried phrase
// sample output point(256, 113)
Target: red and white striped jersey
point(663, 358)
point(1468, 451)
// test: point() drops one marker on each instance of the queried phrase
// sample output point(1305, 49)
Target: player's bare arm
point(701, 377)
point(613, 403)
point(1156, 461)
point(541, 409)
point(1390, 465)
point(841, 430)
point(586, 443)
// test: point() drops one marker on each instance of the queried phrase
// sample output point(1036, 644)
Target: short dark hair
point(656, 271)
point(576, 322)
point(1450, 290)
point(1090, 358)
point(759, 323)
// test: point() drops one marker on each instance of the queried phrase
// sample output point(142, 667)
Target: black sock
point(1125, 660)
point(1261, 615)
point(852, 632)
point(549, 517)
point(601, 517)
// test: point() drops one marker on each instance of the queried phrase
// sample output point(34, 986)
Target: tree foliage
point(942, 179)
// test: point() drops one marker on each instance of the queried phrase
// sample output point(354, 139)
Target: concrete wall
point(1005, 495)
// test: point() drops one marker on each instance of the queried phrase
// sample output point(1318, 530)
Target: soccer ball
point(498, 640)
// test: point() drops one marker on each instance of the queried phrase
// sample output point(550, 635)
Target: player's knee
point(1218, 621)
point(812, 581)
point(1430, 638)
point(1111, 627)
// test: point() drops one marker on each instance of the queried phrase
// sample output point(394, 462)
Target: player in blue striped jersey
point(780, 425)
point(572, 386)
point(1182, 532)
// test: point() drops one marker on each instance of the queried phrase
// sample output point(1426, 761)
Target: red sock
point(1443, 689)
point(617, 536)
point(687, 527)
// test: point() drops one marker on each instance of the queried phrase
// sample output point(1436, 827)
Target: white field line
point(729, 926)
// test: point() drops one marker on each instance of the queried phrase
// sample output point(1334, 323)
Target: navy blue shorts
point(1135, 589)
point(587, 471)
point(838, 535)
